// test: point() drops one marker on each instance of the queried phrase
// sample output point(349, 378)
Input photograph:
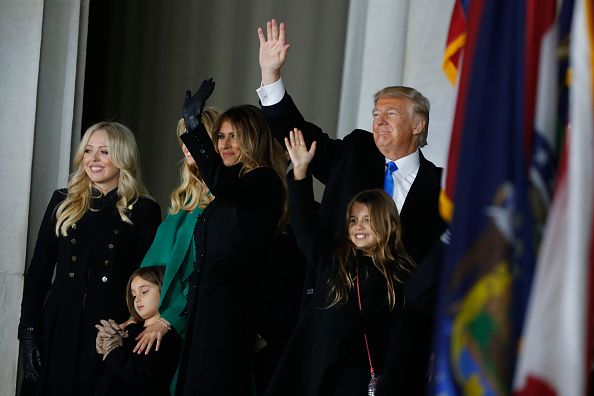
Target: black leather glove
point(30, 353)
point(193, 104)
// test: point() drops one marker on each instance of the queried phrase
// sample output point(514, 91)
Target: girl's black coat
point(326, 354)
point(127, 373)
point(92, 266)
point(232, 239)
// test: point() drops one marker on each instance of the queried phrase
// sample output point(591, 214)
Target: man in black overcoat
point(361, 161)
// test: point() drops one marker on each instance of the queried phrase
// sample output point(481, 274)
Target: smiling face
point(97, 163)
point(395, 129)
point(361, 233)
point(146, 299)
point(228, 144)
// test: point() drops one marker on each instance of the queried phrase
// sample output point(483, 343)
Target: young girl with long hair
point(94, 234)
point(342, 345)
point(126, 372)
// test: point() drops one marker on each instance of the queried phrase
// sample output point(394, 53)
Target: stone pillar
point(41, 65)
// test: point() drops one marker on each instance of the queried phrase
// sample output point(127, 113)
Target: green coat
point(174, 249)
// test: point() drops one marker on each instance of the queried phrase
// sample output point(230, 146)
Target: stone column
point(41, 69)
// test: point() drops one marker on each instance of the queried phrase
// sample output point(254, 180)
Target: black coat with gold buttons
point(92, 265)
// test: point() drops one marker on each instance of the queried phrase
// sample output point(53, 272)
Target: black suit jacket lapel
point(418, 189)
point(378, 169)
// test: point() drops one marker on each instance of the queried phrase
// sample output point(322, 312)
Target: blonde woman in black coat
point(94, 234)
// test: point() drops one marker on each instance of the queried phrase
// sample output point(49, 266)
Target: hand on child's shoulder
point(126, 323)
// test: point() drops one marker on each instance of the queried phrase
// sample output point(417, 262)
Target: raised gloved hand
point(193, 104)
point(30, 353)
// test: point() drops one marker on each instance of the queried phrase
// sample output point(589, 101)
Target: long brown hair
point(258, 148)
point(153, 275)
point(388, 255)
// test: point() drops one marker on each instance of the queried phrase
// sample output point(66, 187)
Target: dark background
point(143, 55)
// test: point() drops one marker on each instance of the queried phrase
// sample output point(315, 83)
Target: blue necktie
point(388, 179)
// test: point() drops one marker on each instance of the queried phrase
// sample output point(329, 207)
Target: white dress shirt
point(271, 94)
point(408, 166)
point(404, 177)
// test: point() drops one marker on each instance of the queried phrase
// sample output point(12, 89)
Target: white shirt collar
point(408, 164)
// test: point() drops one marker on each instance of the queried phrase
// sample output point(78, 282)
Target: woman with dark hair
point(244, 170)
point(94, 234)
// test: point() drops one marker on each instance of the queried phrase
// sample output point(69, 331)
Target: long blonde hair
point(388, 255)
point(123, 152)
point(258, 148)
point(192, 192)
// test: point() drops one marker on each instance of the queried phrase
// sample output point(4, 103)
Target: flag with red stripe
point(555, 355)
point(455, 41)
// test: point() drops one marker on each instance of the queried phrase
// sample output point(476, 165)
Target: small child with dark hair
point(345, 342)
point(126, 371)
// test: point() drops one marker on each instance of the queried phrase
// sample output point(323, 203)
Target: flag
point(455, 41)
point(541, 94)
point(555, 357)
point(541, 98)
point(488, 265)
point(455, 45)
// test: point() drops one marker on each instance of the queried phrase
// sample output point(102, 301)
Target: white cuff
point(271, 94)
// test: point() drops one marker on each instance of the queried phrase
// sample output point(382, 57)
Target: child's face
point(146, 297)
point(360, 231)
